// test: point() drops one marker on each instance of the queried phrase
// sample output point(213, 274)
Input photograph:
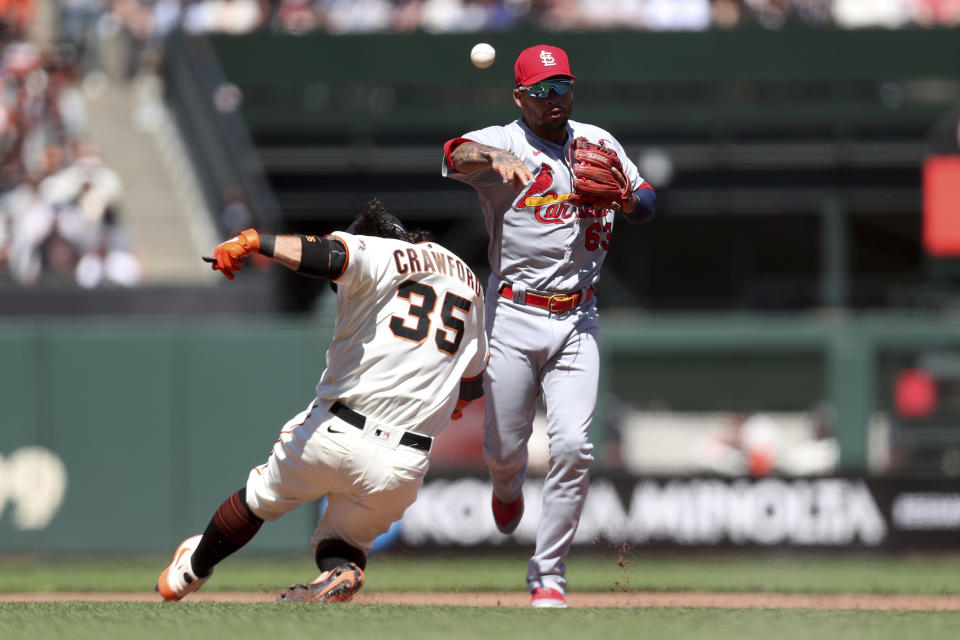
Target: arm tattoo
point(471, 156)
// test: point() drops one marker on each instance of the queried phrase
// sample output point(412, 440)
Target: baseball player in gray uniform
point(407, 354)
point(545, 254)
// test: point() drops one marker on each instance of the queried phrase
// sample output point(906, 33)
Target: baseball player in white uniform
point(407, 354)
point(545, 254)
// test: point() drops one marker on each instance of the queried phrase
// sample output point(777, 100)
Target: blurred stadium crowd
point(59, 202)
point(60, 216)
point(154, 17)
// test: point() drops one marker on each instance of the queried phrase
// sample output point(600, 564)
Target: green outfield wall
point(126, 435)
point(155, 424)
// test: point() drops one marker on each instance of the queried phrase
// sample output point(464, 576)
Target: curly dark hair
point(375, 220)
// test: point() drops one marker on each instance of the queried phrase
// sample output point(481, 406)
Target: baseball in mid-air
point(482, 55)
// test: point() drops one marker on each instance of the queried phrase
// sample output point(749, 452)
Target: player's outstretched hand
point(511, 169)
point(228, 256)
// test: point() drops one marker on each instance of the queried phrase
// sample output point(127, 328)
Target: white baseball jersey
point(409, 327)
point(537, 239)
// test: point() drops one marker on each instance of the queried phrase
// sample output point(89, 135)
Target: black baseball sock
point(331, 553)
point(232, 526)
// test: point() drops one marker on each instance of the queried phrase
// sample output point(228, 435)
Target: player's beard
point(558, 123)
point(544, 124)
point(555, 124)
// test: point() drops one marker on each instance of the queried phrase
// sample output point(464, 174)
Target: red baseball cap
point(539, 63)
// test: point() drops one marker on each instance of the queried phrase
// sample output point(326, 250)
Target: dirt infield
point(695, 599)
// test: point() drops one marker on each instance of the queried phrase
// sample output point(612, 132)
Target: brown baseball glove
point(598, 178)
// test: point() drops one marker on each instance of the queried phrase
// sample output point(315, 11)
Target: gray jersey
point(571, 242)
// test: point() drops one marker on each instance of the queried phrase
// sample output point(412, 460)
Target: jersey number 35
point(423, 300)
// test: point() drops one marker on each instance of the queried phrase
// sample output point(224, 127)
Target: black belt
point(351, 417)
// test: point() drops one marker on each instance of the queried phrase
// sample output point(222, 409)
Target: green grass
point(587, 572)
point(938, 574)
point(105, 621)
